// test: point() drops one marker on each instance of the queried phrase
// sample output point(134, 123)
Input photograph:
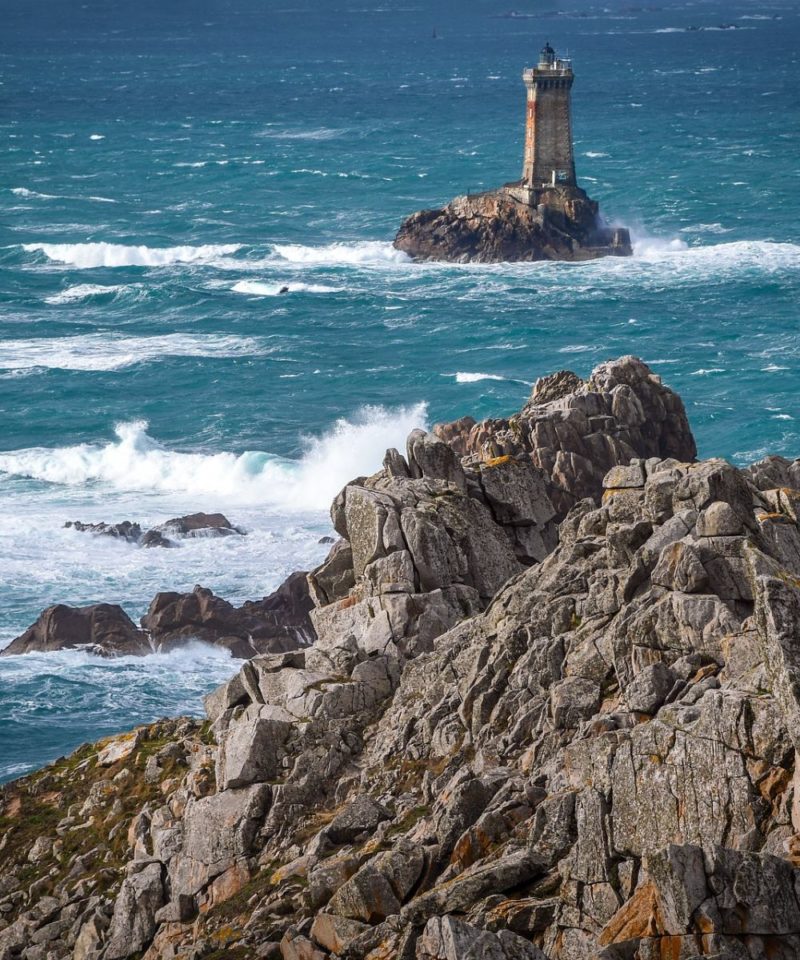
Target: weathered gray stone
point(361, 816)
point(650, 688)
point(447, 938)
point(134, 922)
point(250, 750)
point(573, 700)
point(428, 456)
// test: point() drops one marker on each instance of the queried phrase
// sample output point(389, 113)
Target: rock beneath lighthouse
point(501, 226)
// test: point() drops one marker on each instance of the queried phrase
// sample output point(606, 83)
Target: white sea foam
point(335, 254)
point(594, 154)
point(719, 258)
point(35, 195)
point(137, 462)
point(316, 133)
point(655, 248)
point(85, 291)
point(85, 256)
point(32, 194)
point(474, 377)
point(103, 352)
point(257, 288)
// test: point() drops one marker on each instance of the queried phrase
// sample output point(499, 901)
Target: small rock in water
point(191, 526)
point(123, 531)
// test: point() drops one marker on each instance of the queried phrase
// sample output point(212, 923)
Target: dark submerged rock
point(278, 623)
point(101, 628)
point(191, 526)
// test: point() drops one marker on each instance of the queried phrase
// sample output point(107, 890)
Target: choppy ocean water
point(167, 169)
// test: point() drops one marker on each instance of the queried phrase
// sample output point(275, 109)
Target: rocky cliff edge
point(511, 740)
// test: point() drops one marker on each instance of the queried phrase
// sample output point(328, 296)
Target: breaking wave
point(342, 254)
point(475, 377)
point(136, 461)
point(85, 256)
point(27, 194)
point(720, 257)
point(86, 291)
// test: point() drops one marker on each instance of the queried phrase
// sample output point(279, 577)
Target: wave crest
point(85, 256)
point(135, 461)
point(374, 252)
point(86, 291)
point(462, 377)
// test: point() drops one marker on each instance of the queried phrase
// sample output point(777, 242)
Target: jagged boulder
point(277, 623)
point(126, 530)
point(575, 431)
point(426, 544)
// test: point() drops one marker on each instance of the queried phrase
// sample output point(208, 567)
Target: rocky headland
point(551, 711)
point(503, 225)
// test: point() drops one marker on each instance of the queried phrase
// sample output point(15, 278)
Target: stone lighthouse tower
point(543, 216)
point(549, 159)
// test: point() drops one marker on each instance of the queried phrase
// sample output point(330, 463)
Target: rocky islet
point(550, 711)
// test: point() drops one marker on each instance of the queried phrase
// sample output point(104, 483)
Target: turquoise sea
point(168, 167)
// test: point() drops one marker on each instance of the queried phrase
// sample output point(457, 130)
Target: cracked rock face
point(575, 431)
point(564, 744)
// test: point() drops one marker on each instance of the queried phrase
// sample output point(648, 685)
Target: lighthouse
point(544, 215)
point(549, 159)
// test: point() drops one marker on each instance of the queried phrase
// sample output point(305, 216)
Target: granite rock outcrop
point(501, 226)
point(101, 628)
point(575, 743)
point(575, 430)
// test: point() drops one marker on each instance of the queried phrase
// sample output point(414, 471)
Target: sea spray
point(136, 461)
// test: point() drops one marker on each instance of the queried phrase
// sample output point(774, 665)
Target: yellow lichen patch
point(612, 492)
point(225, 936)
point(496, 461)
